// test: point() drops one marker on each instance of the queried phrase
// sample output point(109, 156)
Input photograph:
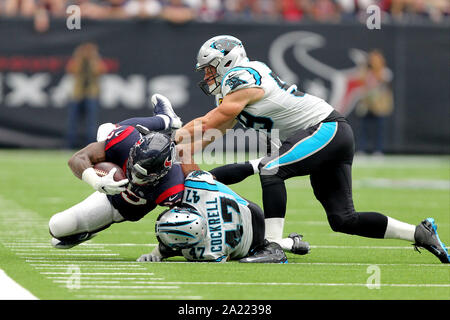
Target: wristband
point(90, 176)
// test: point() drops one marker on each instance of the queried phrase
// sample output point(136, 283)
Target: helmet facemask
point(140, 177)
point(150, 160)
point(203, 84)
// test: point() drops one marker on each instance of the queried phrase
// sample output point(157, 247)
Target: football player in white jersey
point(316, 141)
point(213, 224)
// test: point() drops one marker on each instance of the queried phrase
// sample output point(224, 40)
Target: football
point(103, 168)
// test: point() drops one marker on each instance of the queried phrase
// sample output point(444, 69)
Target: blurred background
point(60, 80)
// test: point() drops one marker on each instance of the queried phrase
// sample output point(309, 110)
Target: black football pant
point(325, 153)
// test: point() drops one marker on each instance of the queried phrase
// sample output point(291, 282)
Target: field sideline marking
point(11, 290)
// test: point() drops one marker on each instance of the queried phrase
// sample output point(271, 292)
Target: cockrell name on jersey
point(214, 225)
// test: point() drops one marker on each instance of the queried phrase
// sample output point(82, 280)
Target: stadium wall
point(145, 57)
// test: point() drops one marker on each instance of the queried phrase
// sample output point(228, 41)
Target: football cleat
point(271, 252)
point(299, 247)
point(71, 241)
point(162, 106)
point(426, 237)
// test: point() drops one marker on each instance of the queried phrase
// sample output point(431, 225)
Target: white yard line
point(53, 262)
point(363, 247)
point(66, 254)
point(105, 273)
point(143, 296)
point(89, 266)
point(439, 265)
point(159, 287)
point(92, 268)
point(11, 290)
point(438, 285)
point(44, 251)
point(73, 259)
point(316, 246)
point(84, 278)
point(120, 244)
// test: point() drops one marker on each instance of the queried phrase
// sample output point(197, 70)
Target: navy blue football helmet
point(150, 159)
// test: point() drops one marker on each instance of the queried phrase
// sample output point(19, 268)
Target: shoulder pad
point(117, 135)
point(201, 175)
point(240, 78)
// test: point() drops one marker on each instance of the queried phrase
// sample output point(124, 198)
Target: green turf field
point(36, 184)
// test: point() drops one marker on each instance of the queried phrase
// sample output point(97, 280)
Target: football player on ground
point(316, 141)
point(214, 224)
point(147, 156)
point(141, 147)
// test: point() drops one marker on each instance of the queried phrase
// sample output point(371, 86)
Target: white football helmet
point(223, 53)
point(180, 228)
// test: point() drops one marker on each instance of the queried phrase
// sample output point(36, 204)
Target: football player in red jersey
point(143, 148)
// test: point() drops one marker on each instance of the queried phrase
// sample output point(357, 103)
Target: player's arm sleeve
point(233, 173)
point(240, 78)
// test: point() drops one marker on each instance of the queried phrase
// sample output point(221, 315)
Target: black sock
point(274, 196)
point(233, 173)
point(364, 224)
point(371, 225)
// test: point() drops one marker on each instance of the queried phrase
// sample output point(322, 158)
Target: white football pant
point(93, 213)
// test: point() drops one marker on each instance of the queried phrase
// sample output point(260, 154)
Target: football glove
point(105, 184)
point(154, 256)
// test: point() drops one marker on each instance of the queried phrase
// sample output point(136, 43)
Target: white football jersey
point(228, 217)
point(283, 107)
